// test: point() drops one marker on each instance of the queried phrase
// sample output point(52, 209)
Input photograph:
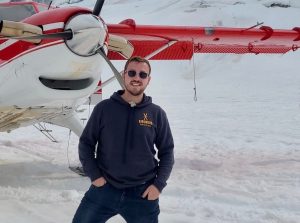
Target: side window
point(16, 12)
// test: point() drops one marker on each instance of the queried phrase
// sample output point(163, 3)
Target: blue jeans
point(101, 203)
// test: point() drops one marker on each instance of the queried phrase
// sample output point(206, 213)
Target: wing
point(178, 42)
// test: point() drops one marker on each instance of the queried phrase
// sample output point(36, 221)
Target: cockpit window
point(16, 12)
point(42, 8)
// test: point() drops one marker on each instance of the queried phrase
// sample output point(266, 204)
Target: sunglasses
point(142, 74)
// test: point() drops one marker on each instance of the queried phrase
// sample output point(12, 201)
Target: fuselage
point(40, 82)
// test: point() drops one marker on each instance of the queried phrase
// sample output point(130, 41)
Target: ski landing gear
point(78, 170)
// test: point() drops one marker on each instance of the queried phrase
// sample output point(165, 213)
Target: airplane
point(51, 59)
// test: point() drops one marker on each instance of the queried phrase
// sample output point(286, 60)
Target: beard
point(135, 91)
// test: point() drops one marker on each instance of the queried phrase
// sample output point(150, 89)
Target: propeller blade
point(98, 6)
point(68, 34)
point(113, 68)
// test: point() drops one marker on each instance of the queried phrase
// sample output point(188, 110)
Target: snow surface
point(237, 147)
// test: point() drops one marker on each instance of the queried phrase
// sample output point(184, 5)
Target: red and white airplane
point(51, 59)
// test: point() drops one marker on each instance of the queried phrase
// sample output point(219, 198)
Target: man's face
point(136, 85)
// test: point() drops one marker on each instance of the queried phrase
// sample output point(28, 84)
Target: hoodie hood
point(117, 97)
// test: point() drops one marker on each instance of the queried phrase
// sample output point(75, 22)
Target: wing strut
point(167, 45)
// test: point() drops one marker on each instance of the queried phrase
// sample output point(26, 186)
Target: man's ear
point(149, 79)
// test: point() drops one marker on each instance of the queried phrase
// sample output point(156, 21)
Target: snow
point(237, 147)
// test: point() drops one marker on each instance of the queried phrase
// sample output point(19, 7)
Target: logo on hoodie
point(145, 121)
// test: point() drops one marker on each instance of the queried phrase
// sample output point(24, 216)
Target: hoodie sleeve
point(87, 145)
point(165, 146)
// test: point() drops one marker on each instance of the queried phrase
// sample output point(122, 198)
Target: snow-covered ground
point(237, 147)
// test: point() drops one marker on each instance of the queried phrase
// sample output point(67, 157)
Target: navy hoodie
point(118, 143)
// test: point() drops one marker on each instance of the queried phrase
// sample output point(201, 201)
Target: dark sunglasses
point(142, 74)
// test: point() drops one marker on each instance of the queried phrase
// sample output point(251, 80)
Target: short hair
point(137, 59)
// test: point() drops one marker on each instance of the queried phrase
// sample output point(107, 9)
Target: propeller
point(98, 6)
point(96, 11)
point(112, 67)
point(28, 32)
point(68, 34)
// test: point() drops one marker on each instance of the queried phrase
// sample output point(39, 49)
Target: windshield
point(16, 12)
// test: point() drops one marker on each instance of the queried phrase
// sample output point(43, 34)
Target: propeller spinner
point(89, 34)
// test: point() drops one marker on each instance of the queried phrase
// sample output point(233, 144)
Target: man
point(117, 152)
